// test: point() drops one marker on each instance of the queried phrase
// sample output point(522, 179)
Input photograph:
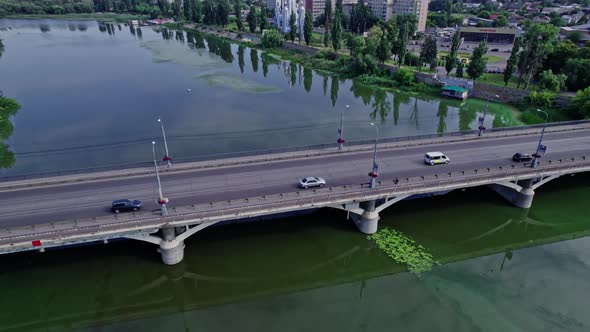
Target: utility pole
point(375, 172)
point(161, 200)
point(167, 156)
point(540, 146)
point(482, 119)
point(341, 139)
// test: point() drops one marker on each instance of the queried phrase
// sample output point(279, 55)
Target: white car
point(311, 181)
point(433, 158)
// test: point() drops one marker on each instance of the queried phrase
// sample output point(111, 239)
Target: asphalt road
point(84, 200)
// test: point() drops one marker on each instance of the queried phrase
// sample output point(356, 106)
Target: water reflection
point(44, 27)
point(241, 58)
point(307, 78)
point(442, 114)
point(254, 59)
point(138, 30)
point(293, 73)
point(220, 47)
point(334, 87)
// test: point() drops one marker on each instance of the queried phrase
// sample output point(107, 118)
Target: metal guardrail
point(248, 207)
point(253, 153)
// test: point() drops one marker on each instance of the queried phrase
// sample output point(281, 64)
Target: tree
point(429, 50)
point(557, 21)
point(359, 18)
point(581, 103)
point(328, 16)
point(564, 49)
point(355, 43)
point(187, 7)
point(262, 21)
point(176, 9)
point(406, 24)
point(451, 59)
point(308, 27)
point(383, 51)
point(238, 13)
point(575, 36)
point(538, 41)
point(252, 19)
point(196, 11)
point(223, 8)
point(551, 82)
point(477, 65)
point(209, 12)
point(578, 74)
point(512, 60)
point(271, 39)
point(337, 26)
point(484, 14)
point(501, 21)
point(459, 72)
point(292, 28)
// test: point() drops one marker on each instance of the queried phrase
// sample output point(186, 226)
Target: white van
point(433, 158)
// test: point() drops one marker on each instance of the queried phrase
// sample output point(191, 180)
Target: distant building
point(385, 9)
point(317, 7)
point(584, 29)
point(271, 4)
point(503, 35)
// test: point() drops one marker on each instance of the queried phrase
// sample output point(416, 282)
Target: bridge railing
point(240, 208)
point(253, 153)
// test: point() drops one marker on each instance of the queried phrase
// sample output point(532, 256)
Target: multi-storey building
point(385, 9)
point(317, 7)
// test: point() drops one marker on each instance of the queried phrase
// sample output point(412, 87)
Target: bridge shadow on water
point(320, 253)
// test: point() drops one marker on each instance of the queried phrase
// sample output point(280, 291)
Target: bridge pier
point(521, 194)
point(171, 248)
point(368, 221)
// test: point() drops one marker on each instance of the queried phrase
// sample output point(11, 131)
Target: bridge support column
point(522, 198)
point(368, 221)
point(171, 249)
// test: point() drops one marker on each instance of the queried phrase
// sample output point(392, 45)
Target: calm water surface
point(91, 94)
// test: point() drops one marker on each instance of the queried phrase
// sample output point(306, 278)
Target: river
point(91, 94)
point(500, 268)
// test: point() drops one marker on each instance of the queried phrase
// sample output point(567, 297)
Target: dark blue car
point(123, 205)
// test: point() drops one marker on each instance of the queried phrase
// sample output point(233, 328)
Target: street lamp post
point(167, 156)
point(483, 118)
point(341, 139)
point(540, 146)
point(375, 172)
point(161, 200)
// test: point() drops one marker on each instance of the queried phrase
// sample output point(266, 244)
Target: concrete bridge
point(41, 213)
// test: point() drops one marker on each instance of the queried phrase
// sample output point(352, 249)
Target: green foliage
point(223, 8)
point(8, 108)
point(578, 74)
point(538, 41)
point(575, 36)
point(429, 50)
point(308, 27)
point(512, 60)
point(580, 104)
point(551, 82)
point(501, 21)
point(328, 16)
point(238, 14)
point(196, 11)
point(262, 19)
point(564, 49)
point(58, 7)
point(252, 19)
point(272, 39)
point(477, 65)
point(403, 250)
point(459, 72)
point(451, 59)
point(292, 27)
point(484, 14)
point(541, 98)
point(361, 18)
point(404, 77)
point(365, 64)
point(337, 26)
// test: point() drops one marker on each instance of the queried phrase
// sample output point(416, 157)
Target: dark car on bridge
point(124, 205)
point(519, 157)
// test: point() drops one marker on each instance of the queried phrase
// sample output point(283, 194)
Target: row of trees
point(32, 7)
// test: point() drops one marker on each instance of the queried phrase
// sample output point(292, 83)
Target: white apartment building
point(385, 9)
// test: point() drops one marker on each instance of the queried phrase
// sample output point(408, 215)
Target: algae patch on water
point(403, 250)
point(237, 83)
point(162, 51)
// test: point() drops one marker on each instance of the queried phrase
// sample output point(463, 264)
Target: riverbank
point(119, 18)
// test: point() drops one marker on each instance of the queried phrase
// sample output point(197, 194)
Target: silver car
point(311, 181)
